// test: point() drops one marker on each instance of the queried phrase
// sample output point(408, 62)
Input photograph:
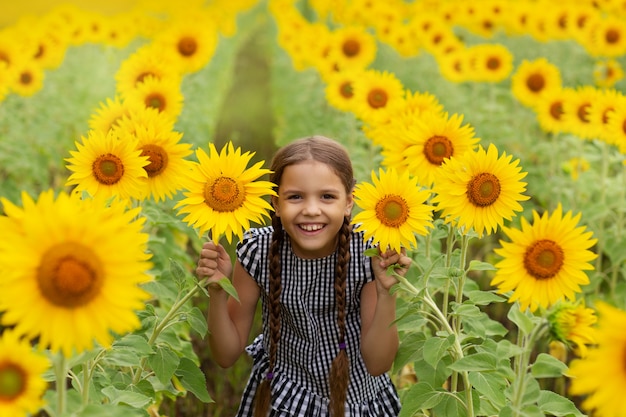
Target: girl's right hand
point(214, 263)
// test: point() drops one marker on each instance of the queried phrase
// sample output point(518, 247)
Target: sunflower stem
point(86, 378)
point(164, 323)
point(446, 290)
point(604, 173)
point(457, 348)
point(526, 343)
point(60, 373)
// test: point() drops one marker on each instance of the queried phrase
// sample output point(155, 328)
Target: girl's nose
point(311, 208)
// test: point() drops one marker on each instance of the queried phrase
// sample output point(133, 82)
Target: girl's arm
point(379, 335)
point(229, 321)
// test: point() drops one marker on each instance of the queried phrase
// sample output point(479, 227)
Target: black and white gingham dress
point(309, 334)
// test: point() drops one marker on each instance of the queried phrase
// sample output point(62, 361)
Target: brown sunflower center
point(70, 275)
point(224, 194)
point(612, 36)
point(556, 110)
point(108, 169)
point(351, 48)
point(26, 78)
point(157, 158)
point(583, 112)
point(345, 89)
point(493, 63)
point(483, 189)
point(438, 148)
point(377, 98)
point(12, 381)
point(187, 46)
point(543, 259)
point(392, 210)
point(156, 101)
point(535, 83)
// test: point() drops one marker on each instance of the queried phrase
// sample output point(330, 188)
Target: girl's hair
point(333, 154)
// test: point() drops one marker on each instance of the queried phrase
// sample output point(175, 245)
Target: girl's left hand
point(384, 279)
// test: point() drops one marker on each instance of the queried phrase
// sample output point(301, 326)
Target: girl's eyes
point(299, 197)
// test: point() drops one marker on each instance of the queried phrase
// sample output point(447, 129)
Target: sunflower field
point(487, 137)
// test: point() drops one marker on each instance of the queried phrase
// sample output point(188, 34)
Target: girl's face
point(312, 203)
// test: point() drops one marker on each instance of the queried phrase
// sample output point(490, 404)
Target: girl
point(328, 334)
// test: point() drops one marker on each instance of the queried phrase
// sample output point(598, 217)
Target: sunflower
point(572, 323)
point(607, 72)
point(576, 111)
point(21, 376)
point(533, 79)
point(479, 189)
point(28, 77)
point(166, 158)
point(190, 41)
point(616, 125)
point(64, 278)
point(105, 165)
point(426, 143)
point(339, 89)
point(545, 262)
point(490, 62)
point(394, 209)
point(353, 47)
point(603, 103)
point(146, 61)
point(224, 195)
point(550, 109)
point(608, 37)
point(456, 66)
point(415, 105)
point(600, 377)
point(109, 114)
point(376, 94)
point(163, 94)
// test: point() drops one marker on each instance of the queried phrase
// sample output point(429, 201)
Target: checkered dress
point(310, 335)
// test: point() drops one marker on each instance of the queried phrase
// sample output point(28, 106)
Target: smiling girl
point(328, 336)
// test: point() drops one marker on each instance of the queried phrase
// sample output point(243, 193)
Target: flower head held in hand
point(394, 209)
point(224, 195)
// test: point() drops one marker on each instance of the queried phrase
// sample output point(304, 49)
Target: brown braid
point(264, 393)
point(339, 371)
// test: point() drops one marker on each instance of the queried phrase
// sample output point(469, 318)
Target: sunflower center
point(535, 83)
point(26, 78)
point(583, 112)
point(156, 101)
point(70, 275)
point(157, 158)
point(543, 259)
point(12, 381)
point(351, 48)
point(224, 194)
point(493, 63)
point(612, 36)
point(377, 98)
point(392, 210)
point(556, 110)
point(108, 169)
point(483, 189)
point(438, 148)
point(346, 90)
point(187, 46)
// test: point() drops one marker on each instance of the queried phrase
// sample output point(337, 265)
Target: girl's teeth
point(311, 227)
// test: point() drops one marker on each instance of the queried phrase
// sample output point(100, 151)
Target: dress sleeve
point(252, 253)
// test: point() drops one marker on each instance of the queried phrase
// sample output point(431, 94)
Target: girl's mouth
point(311, 227)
